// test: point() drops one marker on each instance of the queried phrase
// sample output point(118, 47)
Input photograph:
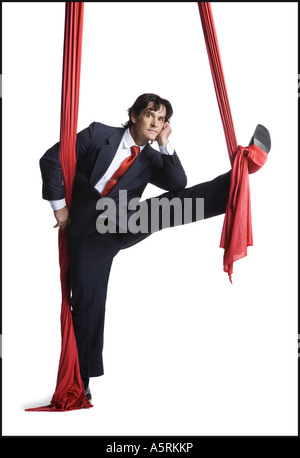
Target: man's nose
point(154, 122)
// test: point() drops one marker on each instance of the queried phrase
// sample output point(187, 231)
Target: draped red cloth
point(237, 228)
point(69, 392)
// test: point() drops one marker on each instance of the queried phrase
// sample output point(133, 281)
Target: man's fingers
point(61, 225)
point(62, 217)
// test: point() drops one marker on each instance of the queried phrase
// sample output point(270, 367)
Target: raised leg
point(212, 199)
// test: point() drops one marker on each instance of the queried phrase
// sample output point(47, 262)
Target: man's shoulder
point(100, 128)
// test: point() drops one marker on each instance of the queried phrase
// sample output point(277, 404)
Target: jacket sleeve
point(53, 186)
point(170, 175)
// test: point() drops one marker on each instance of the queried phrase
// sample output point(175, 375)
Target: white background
point(186, 352)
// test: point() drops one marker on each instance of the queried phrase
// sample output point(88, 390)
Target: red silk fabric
point(69, 392)
point(237, 228)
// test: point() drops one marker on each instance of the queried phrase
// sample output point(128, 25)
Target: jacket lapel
point(106, 155)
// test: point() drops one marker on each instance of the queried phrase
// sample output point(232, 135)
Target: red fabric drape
point(237, 228)
point(69, 392)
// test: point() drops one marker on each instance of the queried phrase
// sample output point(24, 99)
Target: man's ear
point(133, 118)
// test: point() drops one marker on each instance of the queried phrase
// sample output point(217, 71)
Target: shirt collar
point(128, 141)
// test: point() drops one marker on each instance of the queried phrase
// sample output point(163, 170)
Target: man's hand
point(163, 136)
point(62, 217)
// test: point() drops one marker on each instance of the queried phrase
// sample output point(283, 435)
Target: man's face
point(148, 124)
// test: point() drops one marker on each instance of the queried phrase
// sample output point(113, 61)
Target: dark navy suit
point(92, 253)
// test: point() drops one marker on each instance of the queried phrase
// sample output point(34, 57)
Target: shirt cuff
point(57, 204)
point(166, 149)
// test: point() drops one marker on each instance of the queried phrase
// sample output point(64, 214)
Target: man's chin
point(152, 138)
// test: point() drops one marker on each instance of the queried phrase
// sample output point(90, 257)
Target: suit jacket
point(95, 149)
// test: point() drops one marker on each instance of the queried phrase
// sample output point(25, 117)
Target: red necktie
point(121, 170)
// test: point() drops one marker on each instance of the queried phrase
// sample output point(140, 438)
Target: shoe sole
point(261, 138)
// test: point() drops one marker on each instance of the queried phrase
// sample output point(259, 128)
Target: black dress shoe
point(87, 390)
point(261, 138)
point(88, 393)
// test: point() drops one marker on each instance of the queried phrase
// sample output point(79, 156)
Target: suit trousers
point(90, 267)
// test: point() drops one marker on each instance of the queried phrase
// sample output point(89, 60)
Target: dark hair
point(142, 102)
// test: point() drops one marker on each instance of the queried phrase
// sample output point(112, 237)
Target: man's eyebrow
point(152, 111)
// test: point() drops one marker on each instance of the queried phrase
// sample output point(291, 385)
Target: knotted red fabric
point(237, 228)
point(69, 393)
point(121, 170)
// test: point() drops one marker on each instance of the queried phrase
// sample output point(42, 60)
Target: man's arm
point(171, 175)
point(53, 186)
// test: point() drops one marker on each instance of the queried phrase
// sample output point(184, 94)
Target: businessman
point(114, 165)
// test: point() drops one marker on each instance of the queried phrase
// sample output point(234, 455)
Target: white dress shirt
point(122, 153)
